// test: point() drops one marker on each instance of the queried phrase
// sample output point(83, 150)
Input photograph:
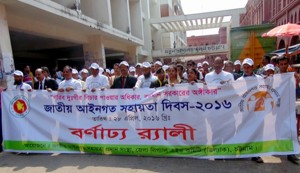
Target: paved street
point(89, 163)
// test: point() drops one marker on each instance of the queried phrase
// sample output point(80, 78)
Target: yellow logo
point(260, 101)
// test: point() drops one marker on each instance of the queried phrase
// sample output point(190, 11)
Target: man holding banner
point(217, 78)
point(125, 80)
point(283, 64)
point(69, 84)
point(248, 66)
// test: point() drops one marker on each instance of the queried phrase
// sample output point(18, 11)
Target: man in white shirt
point(84, 73)
point(248, 67)
point(96, 80)
point(75, 75)
point(69, 84)
point(144, 81)
point(218, 76)
point(19, 84)
point(132, 71)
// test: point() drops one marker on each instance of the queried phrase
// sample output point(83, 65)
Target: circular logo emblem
point(260, 101)
point(19, 106)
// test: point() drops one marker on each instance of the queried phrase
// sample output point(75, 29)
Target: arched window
point(281, 44)
point(295, 40)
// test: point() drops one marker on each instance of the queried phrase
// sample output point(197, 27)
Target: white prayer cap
point(101, 70)
point(205, 62)
point(18, 73)
point(74, 71)
point(237, 62)
point(158, 62)
point(124, 63)
point(84, 71)
point(165, 67)
point(139, 64)
point(94, 66)
point(199, 65)
point(248, 61)
point(146, 65)
point(269, 67)
point(131, 69)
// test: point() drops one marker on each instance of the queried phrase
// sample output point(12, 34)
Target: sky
point(200, 6)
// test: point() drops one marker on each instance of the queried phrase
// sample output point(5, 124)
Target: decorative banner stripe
point(237, 150)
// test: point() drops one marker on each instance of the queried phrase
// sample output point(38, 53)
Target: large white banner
point(240, 119)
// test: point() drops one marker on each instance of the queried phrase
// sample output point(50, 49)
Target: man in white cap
point(269, 70)
point(132, 71)
point(75, 75)
point(205, 66)
point(96, 81)
point(165, 67)
point(157, 65)
point(125, 80)
point(84, 73)
point(69, 84)
point(138, 69)
point(199, 67)
point(248, 67)
point(19, 84)
point(145, 80)
point(237, 68)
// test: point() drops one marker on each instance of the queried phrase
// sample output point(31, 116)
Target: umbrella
point(284, 31)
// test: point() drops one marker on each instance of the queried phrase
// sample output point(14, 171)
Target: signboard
point(218, 48)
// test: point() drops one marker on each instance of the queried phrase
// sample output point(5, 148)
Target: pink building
point(278, 12)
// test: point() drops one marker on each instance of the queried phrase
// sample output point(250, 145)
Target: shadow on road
point(91, 163)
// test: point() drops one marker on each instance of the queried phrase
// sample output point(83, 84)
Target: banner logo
point(19, 106)
point(261, 98)
point(260, 101)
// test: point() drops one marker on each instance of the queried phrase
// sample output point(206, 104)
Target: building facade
point(277, 12)
point(217, 39)
point(55, 33)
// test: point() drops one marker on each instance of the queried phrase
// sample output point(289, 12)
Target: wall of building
point(278, 12)
point(95, 26)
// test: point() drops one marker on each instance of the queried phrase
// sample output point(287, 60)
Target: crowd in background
point(143, 75)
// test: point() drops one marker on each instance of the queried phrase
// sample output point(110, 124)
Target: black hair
point(280, 58)
point(268, 58)
point(159, 71)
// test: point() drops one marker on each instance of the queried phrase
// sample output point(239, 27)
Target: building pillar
point(228, 42)
point(7, 66)
point(94, 51)
point(131, 58)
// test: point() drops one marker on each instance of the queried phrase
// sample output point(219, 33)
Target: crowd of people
point(151, 75)
point(147, 75)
